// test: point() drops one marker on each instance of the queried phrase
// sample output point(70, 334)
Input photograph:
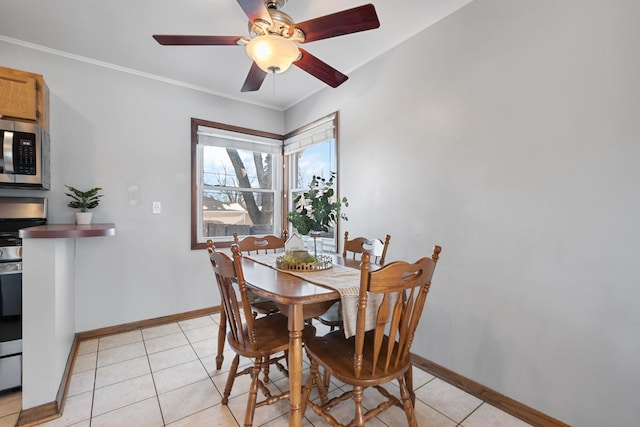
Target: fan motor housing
point(281, 23)
point(275, 4)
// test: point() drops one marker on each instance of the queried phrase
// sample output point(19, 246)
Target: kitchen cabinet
point(24, 96)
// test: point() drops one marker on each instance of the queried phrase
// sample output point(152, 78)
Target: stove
point(15, 213)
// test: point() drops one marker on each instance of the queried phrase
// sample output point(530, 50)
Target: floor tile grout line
point(93, 389)
point(435, 409)
point(120, 345)
point(472, 412)
point(153, 380)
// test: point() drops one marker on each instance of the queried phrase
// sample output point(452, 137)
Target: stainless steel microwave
point(24, 155)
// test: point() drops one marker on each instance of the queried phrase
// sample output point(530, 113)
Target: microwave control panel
point(24, 154)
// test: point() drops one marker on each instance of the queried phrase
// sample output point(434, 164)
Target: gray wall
point(508, 134)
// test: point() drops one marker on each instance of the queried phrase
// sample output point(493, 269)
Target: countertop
point(50, 231)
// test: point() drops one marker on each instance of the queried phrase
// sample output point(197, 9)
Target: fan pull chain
point(274, 84)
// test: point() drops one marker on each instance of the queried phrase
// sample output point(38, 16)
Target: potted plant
point(318, 208)
point(83, 201)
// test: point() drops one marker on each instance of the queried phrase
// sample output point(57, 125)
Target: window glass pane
point(319, 160)
point(230, 167)
point(227, 211)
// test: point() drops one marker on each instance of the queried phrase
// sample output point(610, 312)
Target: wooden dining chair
point(257, 245)
point(261, 244)
point(374, 357)
point(260, 339)
point(354, 249)
point(376, 248)
point(258, 304)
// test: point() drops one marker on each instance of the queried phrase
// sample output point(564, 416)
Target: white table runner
point(344, 280)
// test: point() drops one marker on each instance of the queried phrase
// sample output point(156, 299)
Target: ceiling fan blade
point(320, 69)
point(254, 79)
point(196, 40)
point(255, 10)
point(348, 21)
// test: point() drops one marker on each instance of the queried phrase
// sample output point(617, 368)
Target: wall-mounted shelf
point(52, 231)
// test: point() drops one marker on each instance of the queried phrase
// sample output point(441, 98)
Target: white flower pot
point(83, 217)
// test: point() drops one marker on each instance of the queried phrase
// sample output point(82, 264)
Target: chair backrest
point(375, 247)
point(233, 293)
point(403, 288)
point(257, 244)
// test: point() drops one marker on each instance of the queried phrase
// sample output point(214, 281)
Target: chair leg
point(306, 390)
point(222, 331)
point(407, 404)
point(265, 370)
point(314, 373)
point(408, 378)
point(253, 393)
point(230, 379)
point(358, 420)
point(327, 379)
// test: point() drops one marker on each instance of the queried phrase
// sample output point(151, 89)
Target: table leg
point(296, 325)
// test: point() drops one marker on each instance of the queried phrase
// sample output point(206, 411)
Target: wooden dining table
point(298, 299)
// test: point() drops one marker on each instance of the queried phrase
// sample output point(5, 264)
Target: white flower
point(302, 204)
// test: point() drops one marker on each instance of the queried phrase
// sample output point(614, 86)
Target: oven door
point(10, 325)
point(10, 306)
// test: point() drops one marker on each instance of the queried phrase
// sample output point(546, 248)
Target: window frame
point(290, 172)
point(284, 178)
point(195, 175)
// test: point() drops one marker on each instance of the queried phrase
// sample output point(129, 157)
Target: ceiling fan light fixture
point(272, 53)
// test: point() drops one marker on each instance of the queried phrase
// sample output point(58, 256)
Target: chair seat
point(271, 336)
point(324, 349)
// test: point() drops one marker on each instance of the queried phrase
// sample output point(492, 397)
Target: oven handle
point(10, 268)
point(7, 151)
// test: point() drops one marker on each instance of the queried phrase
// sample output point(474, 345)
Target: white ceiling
point(117, 33)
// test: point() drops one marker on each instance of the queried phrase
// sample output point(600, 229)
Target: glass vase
point(314, 245)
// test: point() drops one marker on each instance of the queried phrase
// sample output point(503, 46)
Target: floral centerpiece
point(318, 208)
point(315, 211)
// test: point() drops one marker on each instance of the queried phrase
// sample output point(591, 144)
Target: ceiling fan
point(274, 37)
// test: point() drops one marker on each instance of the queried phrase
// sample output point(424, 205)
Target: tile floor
point(166, 376)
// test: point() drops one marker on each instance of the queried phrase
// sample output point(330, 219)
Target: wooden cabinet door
point(18, 95)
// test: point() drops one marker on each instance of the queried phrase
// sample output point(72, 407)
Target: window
point(311, 151)
point(244, 180)
point(237, 180)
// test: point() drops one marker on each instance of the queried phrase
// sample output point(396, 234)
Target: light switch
point(157, 207)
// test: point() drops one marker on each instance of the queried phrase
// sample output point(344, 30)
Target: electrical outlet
point(157, 207)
